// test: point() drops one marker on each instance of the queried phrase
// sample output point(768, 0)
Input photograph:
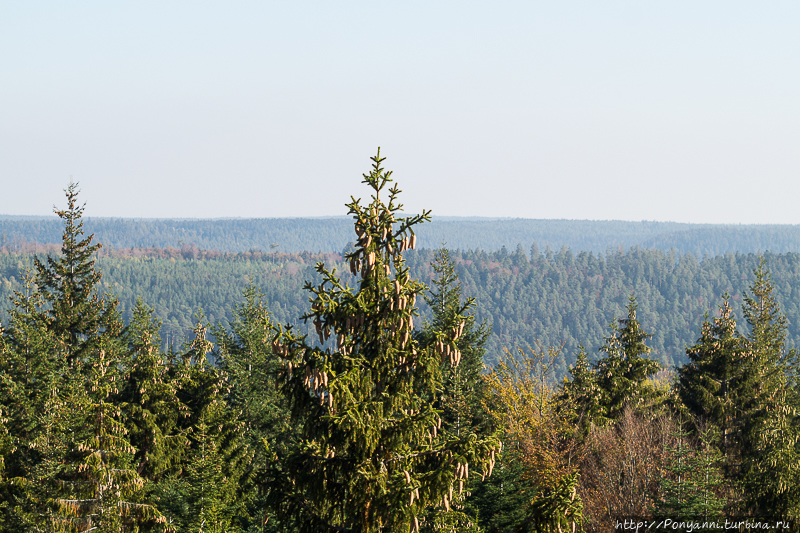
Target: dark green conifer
point(718, 385)
point(581, 393)
point(622, 372)
point(770, 457)
point(58, 325)
point(148, 398)
point(463, 389)
point(214, 434)
point(76, 314)
point(99, 486)
point(252, 368)
point(372, 454)
point(691, 489)
point(558, 508)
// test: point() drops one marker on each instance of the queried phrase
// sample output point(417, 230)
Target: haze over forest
point(332, 234)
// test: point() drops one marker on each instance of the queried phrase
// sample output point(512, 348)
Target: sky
point(669, 111)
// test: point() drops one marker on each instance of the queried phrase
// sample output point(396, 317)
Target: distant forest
point(527, 297)
point(334, 234)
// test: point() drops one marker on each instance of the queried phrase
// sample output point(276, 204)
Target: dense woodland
point(336, 407)
point(553, 299)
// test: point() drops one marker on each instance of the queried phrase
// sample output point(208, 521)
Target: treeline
point(334, 234)
point(555, 298)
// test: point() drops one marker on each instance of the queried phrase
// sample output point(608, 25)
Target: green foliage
point(59, 327)
point(501, 501)
point(377, 426)
point(717, 385)
point(580, 393)
point(691, 489)
point(463, 388)
point(73, 310)
point(742, 386)
point(243, 353)
point(214, 436)
point(553, 298)
point(148, 398)
point(770, 455)
point(558, 508)
point(371, 456)
point(621, 373)
point(99, 484)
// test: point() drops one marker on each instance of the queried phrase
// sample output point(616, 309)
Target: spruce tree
point(691, 489)
point(719, 385)
point(580, 393)
point(622, 372)
point(372, 455)
point(210, 495)
point(770, 456)
point(58, 324)
point(148, 397)
point(33, 390)
point(74, 311)
point(100, 488)
point(214, 435)
point(463, 389)
point(559, 508)
point(251, 368)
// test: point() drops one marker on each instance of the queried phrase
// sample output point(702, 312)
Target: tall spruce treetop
point(77, 315)
point(463, 390)
point(622, 372)
point(580, 392)
point(718, 383)
point(768, 325)
point(770, 432)
point(463, 387)
point(372, 455)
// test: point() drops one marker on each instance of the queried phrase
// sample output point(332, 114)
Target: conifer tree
point(372, 455)
point(251, 368)
point(149, 400)
point(74, 311)
point(463, 387)
point(100, 484)
point(213, 436)
point(718, 384)
point(691, 490)
point(5, 448)
point(557, 508)
point(501, 501)
point(621, 373)
point(210, 493)
point(33, 389)
point(771, 432)
point(580, 392)
point(57, 326)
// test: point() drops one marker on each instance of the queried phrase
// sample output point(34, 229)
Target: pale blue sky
point(672, 111)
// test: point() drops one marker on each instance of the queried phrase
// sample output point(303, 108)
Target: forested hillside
point(554, 298)
point(368, 418)
point(332, 234)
